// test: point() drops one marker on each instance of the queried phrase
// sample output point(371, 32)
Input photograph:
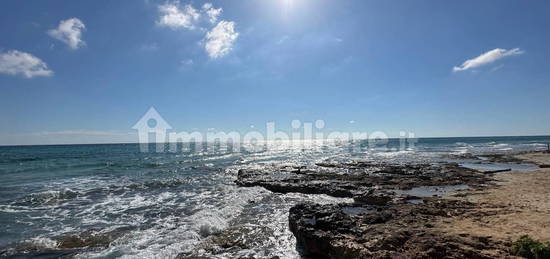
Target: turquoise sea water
point(162, 204)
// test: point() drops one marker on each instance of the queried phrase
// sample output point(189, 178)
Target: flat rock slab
point(369, 183)
point(398, 231)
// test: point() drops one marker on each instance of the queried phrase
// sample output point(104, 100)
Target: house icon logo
point(151, 123)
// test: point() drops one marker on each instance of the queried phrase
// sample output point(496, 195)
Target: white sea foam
point(43, 242)
point(169, 236)
point(392, 154)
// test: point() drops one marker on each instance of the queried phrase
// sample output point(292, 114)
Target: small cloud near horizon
point(487, 58)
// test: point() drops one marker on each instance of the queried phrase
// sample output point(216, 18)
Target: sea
point(114, 200)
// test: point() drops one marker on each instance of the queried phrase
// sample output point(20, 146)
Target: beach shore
point(482, 221)
point(519, 204)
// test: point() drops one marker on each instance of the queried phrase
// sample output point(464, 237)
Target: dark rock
point(397, 231)
point(461, 156)
point(365, 182)
point(496, 171)
point(373, 197)
point(90, 238)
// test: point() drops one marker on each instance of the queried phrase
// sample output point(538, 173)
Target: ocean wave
point(500, 145)
point(46, 197)
point(462, 144)
point(14, 208)
point(392, 154)
point(208, 213)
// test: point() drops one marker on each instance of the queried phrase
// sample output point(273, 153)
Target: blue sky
point(435, 68)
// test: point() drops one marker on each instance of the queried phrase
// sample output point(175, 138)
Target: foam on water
point(175, 234)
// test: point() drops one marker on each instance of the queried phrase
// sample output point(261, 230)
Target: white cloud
point(212, 12)
point(174, 17)
point(487, 58)
point(16, 62)
point(219, 40)
point(70, 32)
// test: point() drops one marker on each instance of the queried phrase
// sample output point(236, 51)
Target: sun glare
point(287, 5)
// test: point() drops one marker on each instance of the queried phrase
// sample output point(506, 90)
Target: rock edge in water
point(368, 183)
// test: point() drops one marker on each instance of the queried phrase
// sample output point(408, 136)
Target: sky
point(86, 71)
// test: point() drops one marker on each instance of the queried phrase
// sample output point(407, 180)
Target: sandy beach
point(518, 204)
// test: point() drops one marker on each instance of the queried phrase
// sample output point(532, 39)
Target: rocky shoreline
point(366, 183)
point(385, 220)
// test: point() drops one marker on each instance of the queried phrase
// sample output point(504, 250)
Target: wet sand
point(519, 204)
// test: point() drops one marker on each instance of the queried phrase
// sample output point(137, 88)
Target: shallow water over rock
point(430, 191)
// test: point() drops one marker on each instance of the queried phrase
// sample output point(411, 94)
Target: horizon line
point(137, 143)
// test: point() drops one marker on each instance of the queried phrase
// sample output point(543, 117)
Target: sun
point(287, 5)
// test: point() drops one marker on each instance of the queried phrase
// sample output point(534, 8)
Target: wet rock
point(374, 197)
point(230, 240)
point(90, 238)
point(461, 156)
point(308, 182)
point(64, 246)
point(365, 182)
point(496, 171)
point(317, 228)
point(502, 158)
